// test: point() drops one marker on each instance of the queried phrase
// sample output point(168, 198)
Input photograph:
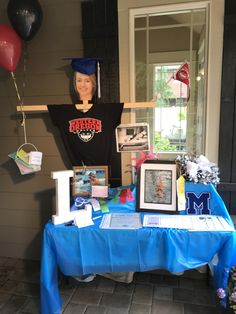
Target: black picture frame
point(156, 188)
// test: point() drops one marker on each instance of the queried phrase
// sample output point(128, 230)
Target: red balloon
point(10, 48)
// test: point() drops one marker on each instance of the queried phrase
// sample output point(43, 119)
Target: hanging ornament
point(27, 162)
point(182, 74)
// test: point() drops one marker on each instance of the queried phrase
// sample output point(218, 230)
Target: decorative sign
point(63, 213)
point(198, 204)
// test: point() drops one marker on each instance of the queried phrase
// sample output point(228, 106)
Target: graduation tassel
point(98, 79)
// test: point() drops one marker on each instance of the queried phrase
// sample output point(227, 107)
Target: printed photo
point(157, 186)
point(132, 137)
point(85, 177)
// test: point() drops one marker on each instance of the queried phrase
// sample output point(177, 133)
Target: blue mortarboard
point(87, 66)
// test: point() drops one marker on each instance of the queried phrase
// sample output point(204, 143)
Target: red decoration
point(123, 196)
point(126, 196)
point(182, 74)
point(143, 157)
point(10, 48)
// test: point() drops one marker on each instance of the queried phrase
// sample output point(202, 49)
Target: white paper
point(83, 217)
point(121, 221)
point(96, 205)
point(167, 221)
point(99, 191)
point(35, 158)
point(189, 222)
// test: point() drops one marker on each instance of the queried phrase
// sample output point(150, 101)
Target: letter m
point(198, 205)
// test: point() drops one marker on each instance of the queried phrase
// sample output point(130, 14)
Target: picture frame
point(86, 176)
point(156, 190)
point(132, 137)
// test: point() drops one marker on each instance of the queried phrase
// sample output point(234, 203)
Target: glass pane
point(198, 83)
point(178, 39)
point(169, 42)
point(140, 22)
point(171, 112)
point(140, 65)
point(168, 19)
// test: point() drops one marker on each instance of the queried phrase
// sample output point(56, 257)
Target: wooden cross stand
point(63, 213)
point(84, 106)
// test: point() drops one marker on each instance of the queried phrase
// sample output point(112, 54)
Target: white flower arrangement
point(198, 169)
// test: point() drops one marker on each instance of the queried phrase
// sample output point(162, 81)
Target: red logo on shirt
point(85, 128)
point(85, 124)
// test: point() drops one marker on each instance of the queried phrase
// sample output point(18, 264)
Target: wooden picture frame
point(132, 137)
point(156, 190)
point(85, 177)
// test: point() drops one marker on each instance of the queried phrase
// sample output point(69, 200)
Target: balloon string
point(24, 71)
point(23, 121)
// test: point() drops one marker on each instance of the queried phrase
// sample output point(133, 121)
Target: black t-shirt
point(87, 136)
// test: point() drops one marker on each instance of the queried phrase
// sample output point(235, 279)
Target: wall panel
point(27, 201)
point(227, 141)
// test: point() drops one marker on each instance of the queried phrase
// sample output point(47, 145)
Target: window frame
point(127, 8)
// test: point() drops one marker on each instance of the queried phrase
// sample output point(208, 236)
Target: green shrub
point(163, 144)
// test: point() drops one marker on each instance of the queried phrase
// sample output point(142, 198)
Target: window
point(164, 41)
point(203, 110)
point(170, 115)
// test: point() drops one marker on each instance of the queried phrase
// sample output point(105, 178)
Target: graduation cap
point(87, 66)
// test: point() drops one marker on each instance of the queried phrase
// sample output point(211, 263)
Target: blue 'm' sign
point(198, 204)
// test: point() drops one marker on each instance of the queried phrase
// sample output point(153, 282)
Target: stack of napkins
point(27, 162)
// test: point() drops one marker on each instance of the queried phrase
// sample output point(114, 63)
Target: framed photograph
point(132, 137)
point(157, 187)
point(85, 177)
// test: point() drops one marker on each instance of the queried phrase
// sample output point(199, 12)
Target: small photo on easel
point(86, 177)
point(132, 137)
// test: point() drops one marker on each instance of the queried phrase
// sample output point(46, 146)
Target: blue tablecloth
point(94, 250)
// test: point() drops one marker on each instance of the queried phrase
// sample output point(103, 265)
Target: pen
point(97, 217)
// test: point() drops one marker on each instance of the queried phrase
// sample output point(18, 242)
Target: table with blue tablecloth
point(79, 251)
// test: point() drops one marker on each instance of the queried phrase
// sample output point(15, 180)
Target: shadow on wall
point(14, 173)
point(45, 201)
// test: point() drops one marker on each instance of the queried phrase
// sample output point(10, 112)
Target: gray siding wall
point(26, 202)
